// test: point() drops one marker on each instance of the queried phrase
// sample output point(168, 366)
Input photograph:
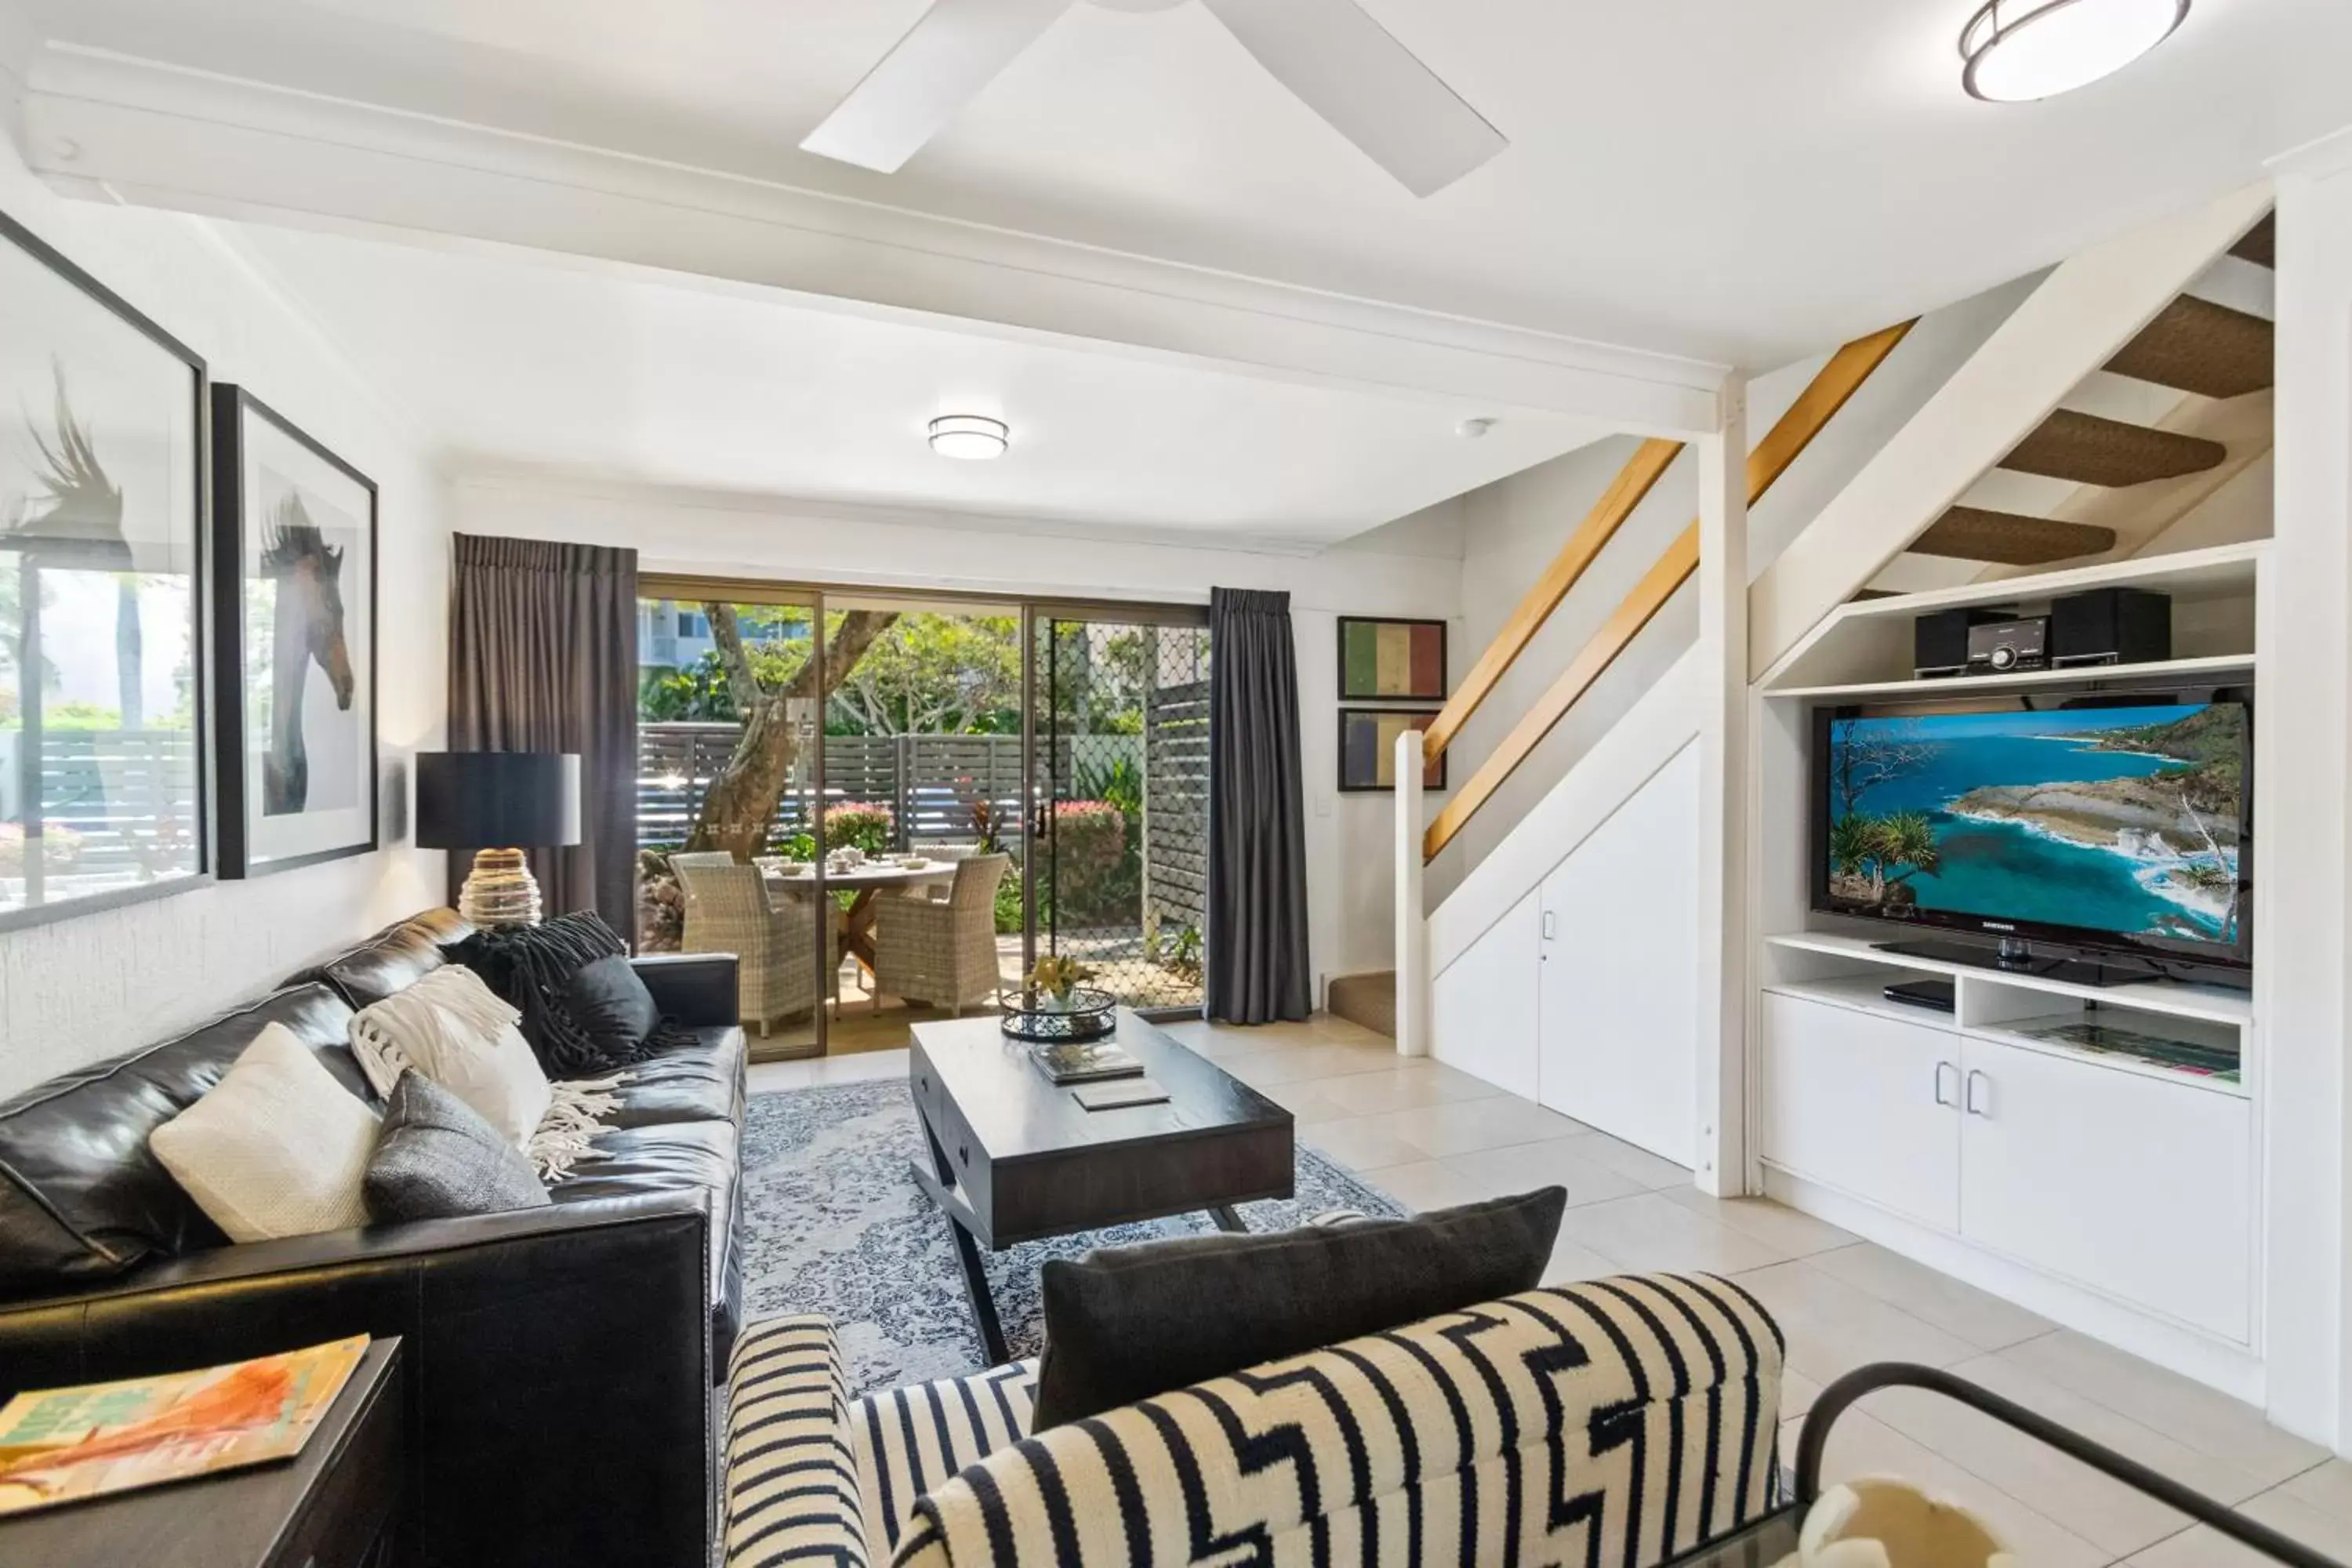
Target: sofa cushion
point(678, 1156)
point(83, 1197)
point(277, 1148)
point(393, 960)
point(1127, 1323)
point(438, 1158)
point(612, 1006)
point(699, 1082)
point(450, 1028)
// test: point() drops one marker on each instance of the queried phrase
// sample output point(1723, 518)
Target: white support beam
point(145, 133)
point(1412, 971)
point(2303, 777)
point(1719, 1073)
point(2087, 308)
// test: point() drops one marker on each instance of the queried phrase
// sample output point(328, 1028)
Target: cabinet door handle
point(1550, 923)
point(1941, 1068)
point(1969, 1093)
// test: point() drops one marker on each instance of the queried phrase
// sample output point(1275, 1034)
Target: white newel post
point(2303, 777)
point(1720, 936)
point(1411, 919)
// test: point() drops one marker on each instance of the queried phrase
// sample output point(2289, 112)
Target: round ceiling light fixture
point(974, 437)
point(2020, 50)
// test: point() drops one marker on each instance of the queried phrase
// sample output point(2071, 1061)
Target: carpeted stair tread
point(2007, 538)
point(2259, 245)
point(1366, 999)
point(2198, 346)
point(2090, 450)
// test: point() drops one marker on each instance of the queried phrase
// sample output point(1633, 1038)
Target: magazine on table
point(63, 1444)
point(1084, 1063)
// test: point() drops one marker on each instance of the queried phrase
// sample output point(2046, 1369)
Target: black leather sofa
point(558, 1361)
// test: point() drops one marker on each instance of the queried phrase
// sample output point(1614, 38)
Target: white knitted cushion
point(277, 1148)
point(453, 1029)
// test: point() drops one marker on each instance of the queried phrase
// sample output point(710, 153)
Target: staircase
point(2214, 356)
point(1369, 1000)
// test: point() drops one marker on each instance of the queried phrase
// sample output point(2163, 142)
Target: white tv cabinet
point(2118, 1198)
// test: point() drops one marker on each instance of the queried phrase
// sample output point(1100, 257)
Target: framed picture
point(1391, 660)
point(104, 677)
point(1368, 747)
point(294, 575)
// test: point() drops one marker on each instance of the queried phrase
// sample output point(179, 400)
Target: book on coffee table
point(1122, 1092)
point(1083, 1063)
point(61, 1444)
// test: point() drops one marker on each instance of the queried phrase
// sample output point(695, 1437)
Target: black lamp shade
point(497, 800)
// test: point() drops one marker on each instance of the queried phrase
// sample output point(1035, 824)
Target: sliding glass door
point(889, 806)
point(1120, 715)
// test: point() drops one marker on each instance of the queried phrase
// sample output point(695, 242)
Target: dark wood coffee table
point(1014, 1158)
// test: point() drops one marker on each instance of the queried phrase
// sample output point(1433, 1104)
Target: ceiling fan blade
point(955, 49)
point(1371, 89)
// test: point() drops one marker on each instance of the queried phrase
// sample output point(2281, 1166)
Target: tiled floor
point(1433, 1136)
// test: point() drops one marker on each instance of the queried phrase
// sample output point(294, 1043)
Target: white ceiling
point(1738, 180)
point(515, 363)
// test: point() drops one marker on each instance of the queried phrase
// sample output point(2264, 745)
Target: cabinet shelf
point(2186, 669)
point(2163, 997)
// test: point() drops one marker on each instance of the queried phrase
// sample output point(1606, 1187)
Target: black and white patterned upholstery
point(910, 1440)
point(1615, 1422)
point(791, 1470)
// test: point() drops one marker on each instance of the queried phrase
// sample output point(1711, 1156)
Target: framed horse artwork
point(104, 685)
point(294, 529)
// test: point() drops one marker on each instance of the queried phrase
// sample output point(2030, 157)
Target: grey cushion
point(612, 1006)
point(1124, 1323)
point(439, 1158)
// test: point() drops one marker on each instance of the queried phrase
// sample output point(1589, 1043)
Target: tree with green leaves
point(739, 811)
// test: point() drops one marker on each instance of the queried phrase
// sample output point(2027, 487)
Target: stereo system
point(2110, 625)
point(2105, 625)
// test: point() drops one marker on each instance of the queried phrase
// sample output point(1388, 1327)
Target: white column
point(2302, 782)
point(1720, 918)
point(1411, 920)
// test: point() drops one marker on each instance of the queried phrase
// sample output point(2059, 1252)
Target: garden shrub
point(862, 825)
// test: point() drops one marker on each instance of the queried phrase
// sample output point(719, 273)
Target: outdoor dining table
point(867, 881)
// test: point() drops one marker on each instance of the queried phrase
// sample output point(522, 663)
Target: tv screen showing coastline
point(2121, 820)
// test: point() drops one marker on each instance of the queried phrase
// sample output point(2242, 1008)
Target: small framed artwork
point(294, 580)
point(1392, 660)
point(1368, 739)
point(105, 685)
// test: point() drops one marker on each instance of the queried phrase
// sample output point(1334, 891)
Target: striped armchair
point(728, 909)
point(1618, 1421)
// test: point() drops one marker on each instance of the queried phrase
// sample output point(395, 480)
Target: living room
point(710, 844)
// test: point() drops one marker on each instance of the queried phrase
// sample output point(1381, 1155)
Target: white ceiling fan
point(1334, 55)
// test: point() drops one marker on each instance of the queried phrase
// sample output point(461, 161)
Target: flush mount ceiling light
point(974, 437)
point(2019, 50)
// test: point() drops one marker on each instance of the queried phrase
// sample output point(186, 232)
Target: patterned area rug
point(834, 1223)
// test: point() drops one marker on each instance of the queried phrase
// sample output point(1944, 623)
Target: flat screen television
point(2110, 823)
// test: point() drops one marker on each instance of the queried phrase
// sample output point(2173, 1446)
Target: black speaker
point(2110, 625)
point(1940, 642)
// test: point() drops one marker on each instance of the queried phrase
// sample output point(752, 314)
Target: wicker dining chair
point(727, 911)
point(941, 953)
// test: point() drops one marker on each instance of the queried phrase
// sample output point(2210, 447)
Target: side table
point(337, 1504)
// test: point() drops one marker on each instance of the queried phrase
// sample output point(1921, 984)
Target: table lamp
point(497, 803)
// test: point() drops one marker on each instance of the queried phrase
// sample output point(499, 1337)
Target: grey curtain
point(1257, 826)
point(543, 658)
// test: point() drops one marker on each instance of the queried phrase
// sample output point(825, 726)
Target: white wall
point(1351, 892)
point(87, 988)
point(1512, 528)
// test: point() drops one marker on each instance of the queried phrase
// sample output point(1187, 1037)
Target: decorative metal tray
point(1089, 1016)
